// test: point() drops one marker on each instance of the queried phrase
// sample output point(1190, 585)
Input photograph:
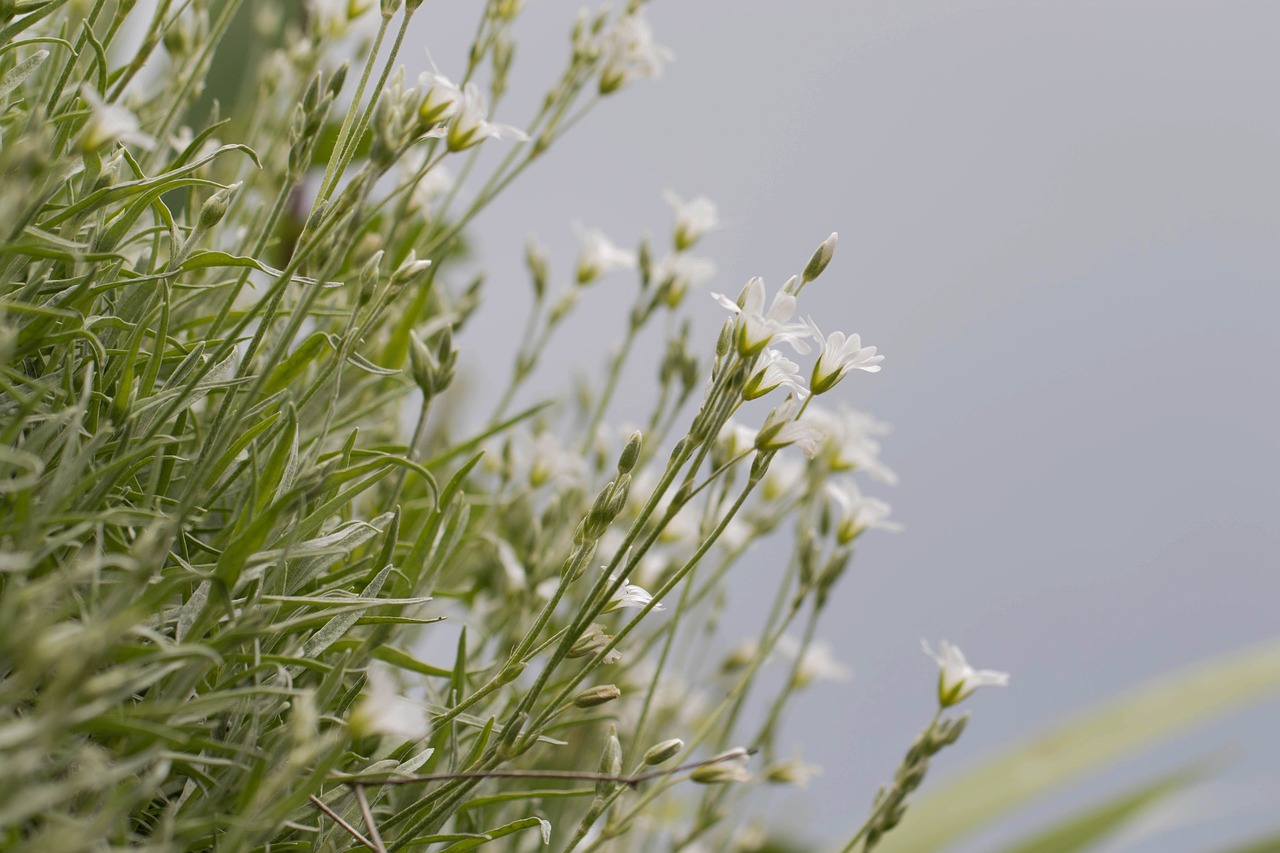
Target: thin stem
point(340, 821)
point(367, 813)
point(335, 165)
point(631, 781)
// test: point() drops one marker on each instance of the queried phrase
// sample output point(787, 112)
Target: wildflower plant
point(223, 562)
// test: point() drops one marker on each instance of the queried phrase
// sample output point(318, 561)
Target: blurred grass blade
point(1154, 711)
point(1261, 845)
point(1082, 831)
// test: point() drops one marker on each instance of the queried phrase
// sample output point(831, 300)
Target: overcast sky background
point(1058, 222)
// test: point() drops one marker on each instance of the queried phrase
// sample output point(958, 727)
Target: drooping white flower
point(839, 356)
point(382, 710)
point(793, 772)
point(956, 679)
point(735, 438)
point(551, 460)
point(817, 664)
point(110, 123)
point(629, 52)
point(694, 218)
point(470, 125)
point(782, 429)
point(857, 513)
point(592, 641)
point(729, 766)
point(852, 442)
point(434, 183)
point(630, 595)
point(804, 434)
point(599, 255)
point(516, 574)
point(772, 371)
point(757, 327)
point(333, 18)
point(676, 274)
point(784, 475)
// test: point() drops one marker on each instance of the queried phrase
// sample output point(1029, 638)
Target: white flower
point(773, 370)
point(471, 126)
point(957, 679)
point(858, 513)
point(675, 274)
point(443, 98)
point(793, 772)
point(756, 327)
point(111, 123)
point(736, 438)
point(805, 434)
point(839, 356)
point(552, 461)
point(517, 575)
point(332, 17)
point(381, 710)
point(629, 52)
point(729, 766)
point(630, 595)
point(851, 442)
point(780, 430)
point(599, 255)
point(429, 187)
point(694, 218)
point(817, 664)
point(784, 475)
point(592, 641)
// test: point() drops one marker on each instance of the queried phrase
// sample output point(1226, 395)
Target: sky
point(1058, 222)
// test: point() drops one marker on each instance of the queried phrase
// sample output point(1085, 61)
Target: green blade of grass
point(1139, 718)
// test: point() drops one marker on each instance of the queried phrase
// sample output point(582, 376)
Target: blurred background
point(1058, 222)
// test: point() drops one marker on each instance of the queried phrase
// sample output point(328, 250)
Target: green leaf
point(206, 259)
point(403, 660)
point(357, 360)
point(493, 834)
point(340, 624)
point(539, 794)
point(1120, 727)
point(21, 71)
point(1082, 831)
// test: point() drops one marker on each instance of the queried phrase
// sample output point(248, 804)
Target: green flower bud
point(821, 257)
point(664, 751)
point(598, 695)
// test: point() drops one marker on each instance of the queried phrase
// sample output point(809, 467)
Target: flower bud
point(725, 342)
point(339, 77)
point(598, 695)
point(662, 752)
point(215, 207)
point(630, 453)
point(368, 278)
point(510, 672)
point(592, 641)
point(535, 258)
point(610, 761)
point(422, 364)
point(821, 257)
point(507, 747)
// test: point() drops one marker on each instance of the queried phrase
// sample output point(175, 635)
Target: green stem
point(334, 167)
